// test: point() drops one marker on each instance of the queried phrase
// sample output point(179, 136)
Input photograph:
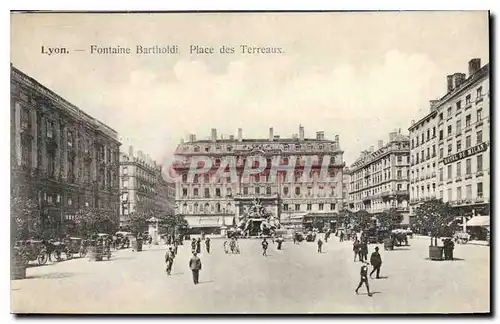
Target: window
point(422, 155)
point(297, 207)
point(195, 192)
point(433, 150)
point(285, 207)
point(217, 192)
point(467, 142)
point(468, 167)
point(195, 179)
point(450, 148)
point(467, 120)
point(449, 171)
point(297, 191)
point(428, 153)
point(459, 169)
point(479, 115)
point(125, 183)
point(449, 130)
point(229, 192)
point(268, 190)
point(206, 178)
point(285, 191)
point(207, 192)
point(459, 125)
point(245, 190)
point(459, 145)
point(469, 191)
point(440, 134)
point(479, 92)
point(412, 146)
point(184, 192)
point(399, 175)
point(433, 131)
point(417, 140)
point(479, 190)
point(70, 140)
point(459, 105)
point(309, 207)
point(479, 163)
point(449, 111)
point(479, 137)
point(449, 194)
point(459, 193)
point(184, 178)
point(440, 116)
point(321, 206)
point(440, 174)
point(257, 190)
point(428, 134)
point(332, 206)
point(441, 152)
point(467, 100)
point(125, 171)
point(257, 178)
point(441, 194)
point(50, 129)
point(422, 138)
point(196, 148)
point(400, 159)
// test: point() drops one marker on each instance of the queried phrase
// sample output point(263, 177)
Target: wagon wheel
point(57, 256)
point(42, 258)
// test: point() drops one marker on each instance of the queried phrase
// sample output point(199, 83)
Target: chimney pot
point(320, 135)
point(240, 134)
point(301, 133)
point(474, 66)
point(231, 137)
point(449, 83)
point(458, 79)
point(271, 134)
point(214, 134)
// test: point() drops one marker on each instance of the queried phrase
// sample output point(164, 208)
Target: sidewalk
point(474, 242)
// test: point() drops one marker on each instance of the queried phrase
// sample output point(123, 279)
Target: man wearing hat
point(376, 261)
point(169, 259)
point(364, 278)
point(195, 266)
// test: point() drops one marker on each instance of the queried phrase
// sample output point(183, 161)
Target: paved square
point(294, 280)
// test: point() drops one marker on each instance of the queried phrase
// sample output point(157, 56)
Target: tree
point(26, 221)
point(138, 222)
point(174, 223)
point(433, 217)
point(94, 220)
point(390, 219)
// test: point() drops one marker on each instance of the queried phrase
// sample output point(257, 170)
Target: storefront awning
point(479, 221)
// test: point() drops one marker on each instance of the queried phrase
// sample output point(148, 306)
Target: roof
point(479, 221)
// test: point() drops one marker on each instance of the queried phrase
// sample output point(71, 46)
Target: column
point(17, 139)
point(76, 149)
point(43, 141)
point(34, 142)
point(60, 144)
point(64, 152)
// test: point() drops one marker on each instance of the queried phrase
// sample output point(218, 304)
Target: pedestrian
point(376, 261)
point(294, 239)
point(355, 248)
point(225, 247)
point(176, 245)
point(198, 246)
point(364, 278)
point(364, 250)
point(169, 259)
point(342, 236)
point(320, 244)
point(264, 247)
point(193, 245)
point(326, 237)
point(207, 244)
point(279, 240)
point(195, 266)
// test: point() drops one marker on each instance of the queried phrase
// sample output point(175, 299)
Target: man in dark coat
point(195, 266)
point(198, 245)
point(376, 261)
point(169, 259)
point(355, 249)
point(320, 245)
point(364, 278)
point(342, 236)
point(207, 244)
point(193, 245)
point(363, 251)
point(264, 247)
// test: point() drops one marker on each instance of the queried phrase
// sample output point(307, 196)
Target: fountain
point(257, 220)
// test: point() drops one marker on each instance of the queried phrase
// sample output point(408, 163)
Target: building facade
point(379, 178)
point(209, 202)
point(61, 157)
point(143, 189)
point(462, 118)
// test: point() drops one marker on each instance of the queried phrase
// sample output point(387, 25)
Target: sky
point(357, 75)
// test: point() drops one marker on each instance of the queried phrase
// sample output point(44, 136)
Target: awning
point(479, 221)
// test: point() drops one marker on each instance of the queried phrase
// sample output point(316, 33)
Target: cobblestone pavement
point(294, 280)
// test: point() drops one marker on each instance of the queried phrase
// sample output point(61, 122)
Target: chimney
point(301, 133)
point(474, 66)
point(433, 104)
point(131, 151)
point(192, 138)
point(214, 135)
point(320, 136)
point(380, 144)
point(231, 137)
point(240, 134)
point(458, 79)
point(271, 134)
point(449, 82)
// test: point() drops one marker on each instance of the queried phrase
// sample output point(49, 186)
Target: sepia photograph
point(250, 162)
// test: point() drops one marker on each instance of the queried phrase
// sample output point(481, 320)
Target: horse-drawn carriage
point(311, 236)
point(32, 250)
point(76, 245)
point(121, 240)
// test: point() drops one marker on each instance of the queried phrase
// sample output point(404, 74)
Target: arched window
point(297, 191)
point(207, 208)
point(285, 147)
point(285, 191)
point(184, 177)
point(184, 208)
point(195, 208)
point(196, 148)
point(217, 207)
point(229, 208)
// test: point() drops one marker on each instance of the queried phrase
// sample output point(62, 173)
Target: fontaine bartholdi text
point(138, 49)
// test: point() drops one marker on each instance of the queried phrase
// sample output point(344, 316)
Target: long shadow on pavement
point(57, 275)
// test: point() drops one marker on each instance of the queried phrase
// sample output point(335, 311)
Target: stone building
point(143, 189)
point(379, 178)
point(61, 157)
point(461, 117)
point(209, 202)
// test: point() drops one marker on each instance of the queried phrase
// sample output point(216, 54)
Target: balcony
point(458, 134)
point(458, 179)
point(479, 174)
point(468, 176)
point(479, 99)
point(402, 193)
point(449, 181)
point(467, 129)
point(467, 106)
point(479, 124)
point(440, 183)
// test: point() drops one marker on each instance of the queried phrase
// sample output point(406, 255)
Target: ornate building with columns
point(209, 202)
point(61, 157)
